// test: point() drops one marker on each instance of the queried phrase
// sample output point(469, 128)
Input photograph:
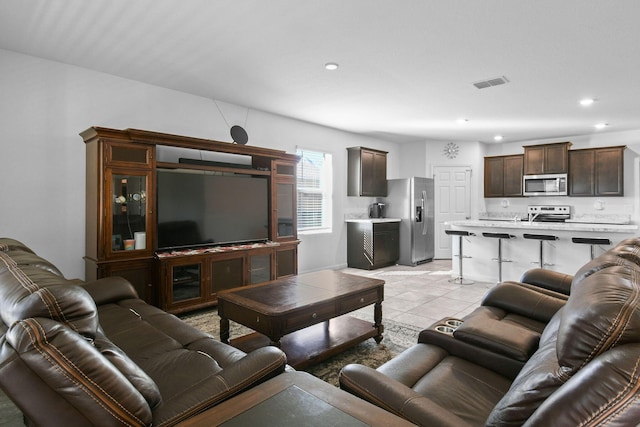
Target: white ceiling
point(406, 66)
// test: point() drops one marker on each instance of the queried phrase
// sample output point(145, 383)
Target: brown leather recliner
point(584, 371)
point(512, 315)
point(75, 355)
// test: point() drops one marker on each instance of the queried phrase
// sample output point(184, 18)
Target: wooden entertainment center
point(121, 221)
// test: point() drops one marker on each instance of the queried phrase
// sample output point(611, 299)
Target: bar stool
point(591, 241)
point(541, 238)
point(500, 237)
point(460, 280)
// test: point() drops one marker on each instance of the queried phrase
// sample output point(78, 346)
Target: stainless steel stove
point(549, 213)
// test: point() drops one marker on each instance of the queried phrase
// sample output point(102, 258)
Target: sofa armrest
point(110, 289)
point(395, 397)
point(503, 338)
point(501, 364)
point(213, 388)
point(515, 298)
point(256, 367)
point(548, 279)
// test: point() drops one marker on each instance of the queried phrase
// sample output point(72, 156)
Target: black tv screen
point(198, 208)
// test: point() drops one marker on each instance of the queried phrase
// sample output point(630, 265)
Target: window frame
point(325, 190)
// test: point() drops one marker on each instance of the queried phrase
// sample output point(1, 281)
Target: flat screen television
point(201, 208)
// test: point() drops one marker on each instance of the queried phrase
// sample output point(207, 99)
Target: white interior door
point(452, 203)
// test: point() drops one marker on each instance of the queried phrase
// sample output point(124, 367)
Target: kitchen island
point(563, 255)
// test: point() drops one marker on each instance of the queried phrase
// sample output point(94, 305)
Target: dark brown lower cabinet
point(372, 245)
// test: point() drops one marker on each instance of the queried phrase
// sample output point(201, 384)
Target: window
point(314, 177)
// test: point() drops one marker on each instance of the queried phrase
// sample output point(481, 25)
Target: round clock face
point(451, 150)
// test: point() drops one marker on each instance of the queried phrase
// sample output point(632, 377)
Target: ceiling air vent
point(491, 82)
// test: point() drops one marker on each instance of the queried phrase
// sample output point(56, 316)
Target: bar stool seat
point(500, 237)
point(542, 238)
point(460, 280)
point(593, 241)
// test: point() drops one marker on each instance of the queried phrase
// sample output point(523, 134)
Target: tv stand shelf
point(122, 223)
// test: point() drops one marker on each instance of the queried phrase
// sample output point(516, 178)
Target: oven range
point(549, 213)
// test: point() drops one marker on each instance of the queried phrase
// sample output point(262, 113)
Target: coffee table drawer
point(310, 317)
point(358, 301)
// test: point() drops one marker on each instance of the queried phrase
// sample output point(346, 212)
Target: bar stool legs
point(591, 241)
point(541, 238)
point(500, 237)
point(460, 280)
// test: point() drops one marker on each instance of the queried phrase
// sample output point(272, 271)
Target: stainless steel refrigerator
point(411, 200)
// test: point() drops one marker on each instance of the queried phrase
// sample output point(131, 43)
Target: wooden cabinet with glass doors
point(118, 213)
point(121, 223)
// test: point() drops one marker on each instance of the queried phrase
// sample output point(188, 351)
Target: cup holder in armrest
point(454, 323)
point(445, 329)
point(447, 326)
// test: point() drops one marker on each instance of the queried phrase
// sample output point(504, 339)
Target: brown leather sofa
point(95, 354)
point(584, 372)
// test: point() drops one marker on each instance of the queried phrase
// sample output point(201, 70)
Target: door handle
point(424, 221)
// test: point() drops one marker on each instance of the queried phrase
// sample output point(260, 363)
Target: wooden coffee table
point(304, 314)
point(295, 399)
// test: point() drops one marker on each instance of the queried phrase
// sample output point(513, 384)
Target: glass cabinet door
point(127, 224)
point(260, 268)
point(185, 282)
point(286, 209)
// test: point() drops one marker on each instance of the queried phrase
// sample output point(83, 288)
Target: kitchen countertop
point(372, 220)
point(561, 226)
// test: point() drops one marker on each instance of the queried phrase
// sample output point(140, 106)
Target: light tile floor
point(422, 295)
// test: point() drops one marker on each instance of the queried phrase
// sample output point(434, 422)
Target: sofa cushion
point(71, 365)
point(602, 313)
point(627, 252)
point(136, 376)
point(29, 291)
point(613, 382)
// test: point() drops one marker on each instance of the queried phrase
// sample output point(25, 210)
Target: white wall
point(45, 104)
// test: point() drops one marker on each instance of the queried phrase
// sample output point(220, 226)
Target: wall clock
point(451, 150)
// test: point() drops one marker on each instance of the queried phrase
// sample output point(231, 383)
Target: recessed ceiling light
point(331, 66)
point(497, 138)
point(461, 121)
point(587, 101)
point(601, 125)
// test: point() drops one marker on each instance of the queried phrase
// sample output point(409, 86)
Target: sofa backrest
point(627, 252)
point(29, 287)
point(601, 314)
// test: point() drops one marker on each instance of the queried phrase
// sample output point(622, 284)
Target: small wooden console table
point(305, 315)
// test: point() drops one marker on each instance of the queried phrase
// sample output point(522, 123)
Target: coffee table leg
point(276, 342)
point(224, 330)
point(377, 318)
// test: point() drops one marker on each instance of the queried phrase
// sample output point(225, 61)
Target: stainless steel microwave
point(545, 185)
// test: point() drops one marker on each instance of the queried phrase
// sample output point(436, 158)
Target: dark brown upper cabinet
point(503, 176)
point(367, 172)
point(597, 171)
point(546, 158)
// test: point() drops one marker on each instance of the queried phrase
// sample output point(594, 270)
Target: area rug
point(397, 337)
